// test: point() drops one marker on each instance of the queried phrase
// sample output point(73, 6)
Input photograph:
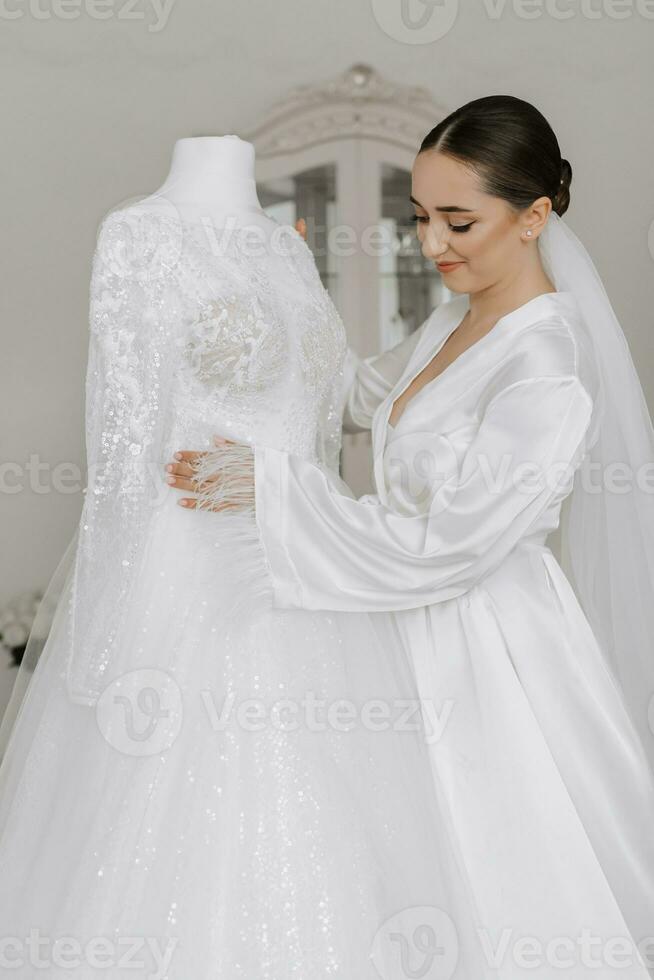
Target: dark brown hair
point(512, 148)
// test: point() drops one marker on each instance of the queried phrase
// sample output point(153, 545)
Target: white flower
point(14, 636)
point(7, 619)
point(20, 609)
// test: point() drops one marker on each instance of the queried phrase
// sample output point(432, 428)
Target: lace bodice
point(238, 330)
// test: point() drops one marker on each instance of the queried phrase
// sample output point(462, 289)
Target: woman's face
point(474, 239)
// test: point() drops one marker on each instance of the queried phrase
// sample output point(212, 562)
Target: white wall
point(92, 108)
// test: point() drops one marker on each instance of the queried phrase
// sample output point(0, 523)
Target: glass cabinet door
point(309, 194)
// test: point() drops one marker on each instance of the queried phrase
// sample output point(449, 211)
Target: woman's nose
point(433, 245)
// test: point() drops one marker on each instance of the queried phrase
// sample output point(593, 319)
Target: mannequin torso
point(211, 180)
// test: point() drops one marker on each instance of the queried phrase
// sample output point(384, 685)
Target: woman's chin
point(454, 285)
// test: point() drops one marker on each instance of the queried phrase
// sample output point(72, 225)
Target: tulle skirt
point(250, 797)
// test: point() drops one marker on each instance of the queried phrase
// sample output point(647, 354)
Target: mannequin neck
point(212, 176)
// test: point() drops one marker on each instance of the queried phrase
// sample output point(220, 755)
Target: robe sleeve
point(369, 380)
point(328, 550)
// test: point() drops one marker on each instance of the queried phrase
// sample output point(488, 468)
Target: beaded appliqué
point(233, 344)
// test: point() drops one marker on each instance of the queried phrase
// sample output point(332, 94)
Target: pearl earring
point(529, 232)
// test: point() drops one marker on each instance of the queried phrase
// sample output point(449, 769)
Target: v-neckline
point(433, 352)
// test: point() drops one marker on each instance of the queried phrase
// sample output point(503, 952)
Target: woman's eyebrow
point(449, 209)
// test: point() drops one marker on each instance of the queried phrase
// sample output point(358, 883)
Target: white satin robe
point(549, 800)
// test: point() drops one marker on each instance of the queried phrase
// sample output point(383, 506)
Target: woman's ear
point(534, 218)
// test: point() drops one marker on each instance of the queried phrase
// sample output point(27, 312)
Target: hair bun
point(561, 198)
point(511, 147)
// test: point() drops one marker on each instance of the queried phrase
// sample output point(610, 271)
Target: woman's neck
point(488, 305)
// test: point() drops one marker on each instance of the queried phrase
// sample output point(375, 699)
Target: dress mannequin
point(212, 178)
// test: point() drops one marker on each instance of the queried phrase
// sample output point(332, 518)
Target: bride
point(514, 407)
point(196, 785)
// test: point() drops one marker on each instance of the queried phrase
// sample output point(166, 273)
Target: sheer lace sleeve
point(133, 316)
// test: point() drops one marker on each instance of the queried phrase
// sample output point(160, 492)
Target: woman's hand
point(180, 474)
point(222, 479)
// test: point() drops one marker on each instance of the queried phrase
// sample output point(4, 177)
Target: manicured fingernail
point(178, 455)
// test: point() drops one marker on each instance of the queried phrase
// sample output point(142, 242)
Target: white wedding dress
point(169, 805)
point(544, 777)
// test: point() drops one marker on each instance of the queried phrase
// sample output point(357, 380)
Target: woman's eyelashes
point(421, 219)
